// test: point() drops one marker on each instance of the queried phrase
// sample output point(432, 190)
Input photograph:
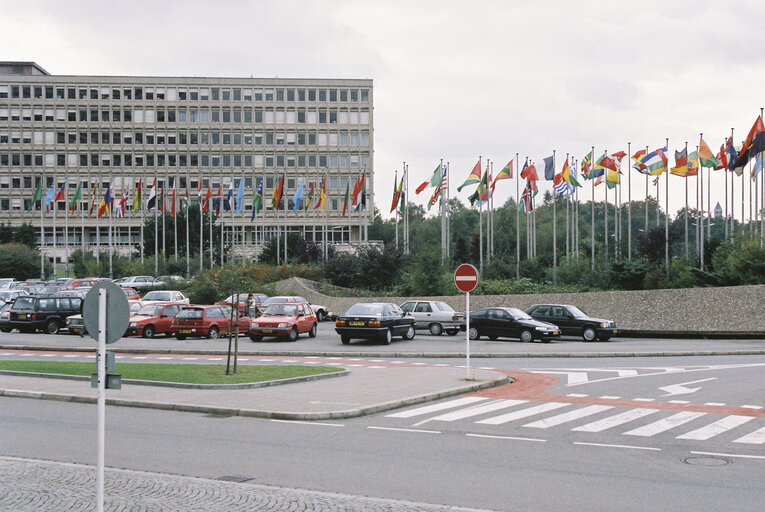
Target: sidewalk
point(360, 392)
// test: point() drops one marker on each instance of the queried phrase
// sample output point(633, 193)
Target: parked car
point(137, 282)
point(33, 289)
point(574, 322)
point(29, 313)
point(62, 281)
point(374, 320)
point(504, 322)
point(75, 325)
point(8, 295)
point(88, 282)
point(79, 292)
point(285, 319)
point(7, 283)
point(435, 315)
point(168, 280)
point(5, 317)
point(153, 319)
point(209, 321)
point(321, 311)
point(131, 294)
point(255, 303)
point(165, 296)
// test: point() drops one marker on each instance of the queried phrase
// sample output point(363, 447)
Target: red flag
point(529, 173)
point(421, 187)
point(61, 194)
point(172, 210)
point(207, 200)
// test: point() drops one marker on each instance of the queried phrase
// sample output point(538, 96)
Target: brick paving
point(34, 485)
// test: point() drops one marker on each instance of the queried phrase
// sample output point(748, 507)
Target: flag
point(434, 181)
point(706, 157)
point(38, 195)
point(597, 170)
point(61, 194)
point(105, 204)
point(434, 197)
point(529, 172)
point(483, 186)
point(525, 203)
point(638, 159)
point(206, 200)
point(568, 176)
point(505, 174)
point(402, 205)
point(731, 155)
point(722, 157)
point(229, 195)
point(319, 194)
point(276, 198)
point(217, 201)
point(49, 198)
point(396, 193)
point(137, 197)
point(76, 197)
point(655, 162)
point(152, 202)
point(185, 201)
point(323, 193)
point(560, 186)
point(240, 195)
point(586, 164)
point(92, 200)
point(172, 208)
point(347, 197)
point(473, 177)
point(754, 144)
point(363, 200)
point(758, 163)
point(122, 205)
point(298, 197)
point(162, 200)
point(681, 163)
point(309, 199)
point(257, 201)
point(692, 167)
point(356, 191)
point(549, 168)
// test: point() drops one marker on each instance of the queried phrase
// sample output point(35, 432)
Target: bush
point(20, 261)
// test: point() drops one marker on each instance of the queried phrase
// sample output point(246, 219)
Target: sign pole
point(101, 396)
point(467, 333)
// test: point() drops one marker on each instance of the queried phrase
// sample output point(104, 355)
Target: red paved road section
point(532, 386)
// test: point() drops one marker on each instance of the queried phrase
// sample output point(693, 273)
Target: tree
point(19, 261)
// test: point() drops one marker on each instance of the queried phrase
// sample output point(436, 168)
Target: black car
point(5, 316)
point(374, 320)
point(509, 323)
point(574, 322)
point(29, 314)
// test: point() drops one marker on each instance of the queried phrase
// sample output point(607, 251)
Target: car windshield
point(365, 309)
point(578, 313)
point(272, 300)
point(6, 295)
point(24, 303)
point(281, 310)
point(158, 296)
point(149, 310)
point(190, 313)
point(518, 314)
point(443, 306)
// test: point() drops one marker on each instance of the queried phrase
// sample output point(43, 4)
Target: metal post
point(101, 398)
point(467, 335)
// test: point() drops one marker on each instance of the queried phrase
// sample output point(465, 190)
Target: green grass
point(185, 373)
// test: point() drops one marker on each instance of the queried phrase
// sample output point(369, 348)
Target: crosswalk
point(644, 421)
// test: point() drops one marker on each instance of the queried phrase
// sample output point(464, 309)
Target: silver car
point(434, 315)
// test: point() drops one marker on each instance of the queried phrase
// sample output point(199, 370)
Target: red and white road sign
point(466, 277)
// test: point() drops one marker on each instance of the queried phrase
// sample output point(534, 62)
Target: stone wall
point(733, 310)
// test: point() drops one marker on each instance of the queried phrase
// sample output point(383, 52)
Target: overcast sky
point(452, 79)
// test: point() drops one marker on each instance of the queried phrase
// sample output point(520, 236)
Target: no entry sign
point(466, 278)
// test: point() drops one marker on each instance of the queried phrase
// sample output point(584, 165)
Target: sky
point(453, 80)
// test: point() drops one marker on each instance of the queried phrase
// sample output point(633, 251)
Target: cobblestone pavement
point(34, 485)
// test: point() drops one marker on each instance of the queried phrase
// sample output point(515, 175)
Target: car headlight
point(133, 324)
point(602, 324)
point(282, 324)
point(253, 324)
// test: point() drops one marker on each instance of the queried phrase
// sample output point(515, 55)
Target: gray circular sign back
point(117, 311)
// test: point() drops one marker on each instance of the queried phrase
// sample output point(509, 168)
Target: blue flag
point(549, 168)
point(240, 196)
point(298, 197)
point(227, 201)
point(49, 197)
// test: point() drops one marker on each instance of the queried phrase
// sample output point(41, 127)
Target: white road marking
point(643, 399)
point(730, 455)
point(577, 395)
point(508, 438)
point(665, 424)
point(715, 403)
point(437, 407)
point(573, 377)
point(611, 397)
point(678, 402)
point(376, 367)
point(310, 423)
point(568, 416)
point(616, 420)
point(405, 430)
point(627, 373)
point(756, 437)
point(718, 427)
point(756, 407)
point(619, 446)
point(138, 357)
point(474, 411)
point(189, 358)
point(523, 413)
point(165, 358)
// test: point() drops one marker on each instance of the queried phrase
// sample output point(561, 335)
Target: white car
point(434, 315)
point(8, 295)
point(168, 280)
point(164, 296)
point(321, 311)
point(137, 282)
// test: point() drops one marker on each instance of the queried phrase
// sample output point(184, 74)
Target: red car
point(209, 321)
point(285, 319)
point(131, 294)
point(153, 319)
point(257, 300)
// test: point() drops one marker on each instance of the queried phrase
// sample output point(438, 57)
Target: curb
point(255, 413)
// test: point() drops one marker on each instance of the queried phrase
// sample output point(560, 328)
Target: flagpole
point(395, 207)
point(686, 200)
point(174, 198)
point(619, 227)
point(568, 226)
point(605, 210)
point(491, 209)
point(110, 207)
point(54, 207)
point(700, 183)
point(480, 224)
point(555, 227)
point(66, 232)
point(732, 196)
point(666, 217)
point(156, 228)
point(42, 230)
point(592, 212)
point(517, 220)
point(699, 217)
point(405, 198)
point(186, 214)
point(446, 214)
point(210, 215)
point(141, 208)
point(443, 219)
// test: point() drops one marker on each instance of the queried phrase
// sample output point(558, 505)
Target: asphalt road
point(527, 450)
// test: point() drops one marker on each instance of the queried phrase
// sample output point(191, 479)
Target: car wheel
point(293, 335)
point(345, 339)
point(180, 337)
point(52, 327)
point(409, 334)
point(387, 337)
point(213, 334)
point(254, 337)
point(452, 332)
point(320, 315)
point(589, 334)
point(473, 333)
point(313, 331)
point(436, 329)
point(148, 331)
point(527, 336)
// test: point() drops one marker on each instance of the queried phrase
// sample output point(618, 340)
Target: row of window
point(72, 160)
point(269, 138)
point(182, 115)
point(353, 95)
